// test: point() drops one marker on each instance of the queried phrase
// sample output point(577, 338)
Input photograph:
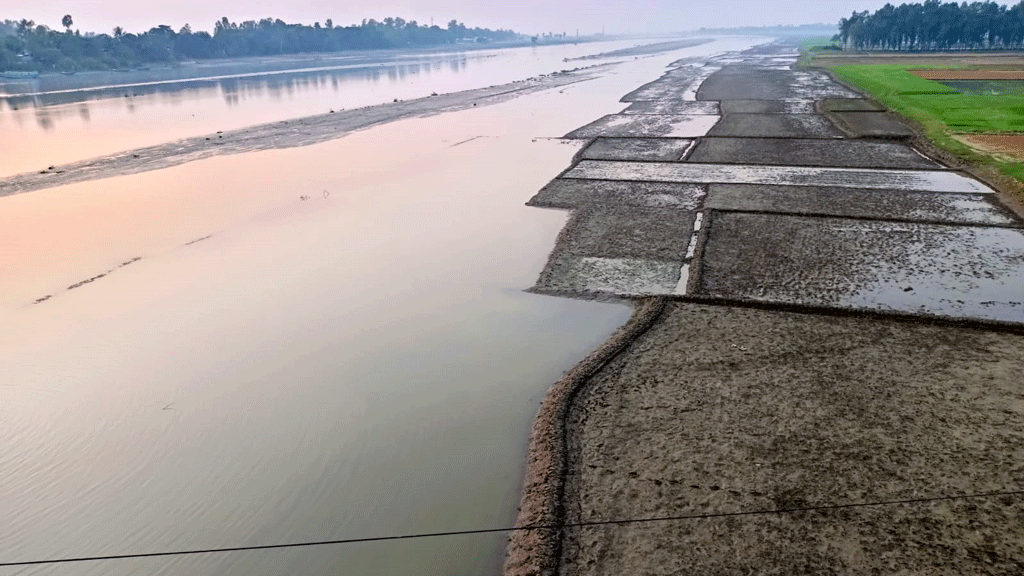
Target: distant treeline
point(935, 26)
point(26, 46)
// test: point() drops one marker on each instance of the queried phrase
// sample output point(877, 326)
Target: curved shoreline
point(538, 551)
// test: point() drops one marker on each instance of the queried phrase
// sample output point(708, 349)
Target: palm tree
point(67, 22)
point(118, 32)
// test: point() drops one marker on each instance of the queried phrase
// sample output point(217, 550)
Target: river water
point(304, 344)
point(58, 119)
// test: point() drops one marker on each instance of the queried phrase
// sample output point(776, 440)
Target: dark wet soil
point(889, 205)
point(872, 125)
point(743, 416)
point(799, 152)
point(851, 105)
point(646, 125)
point(568, 194)
point(775, 126)
point(655, 149)
point(942, 270)
point(673, 107)
point(729, 411)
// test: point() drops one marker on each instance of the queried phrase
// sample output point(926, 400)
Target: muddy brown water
point(305, 344)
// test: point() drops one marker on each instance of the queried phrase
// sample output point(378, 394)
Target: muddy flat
point(809, 152)
point(655, 149)
point(891, 205)
point(647, 125)
point(747, 82)
point(775, 126)
point(569, 193)
point(877, 431)
point(672, 107)
point(959, 271)
point(687, 172)
point(791, 106)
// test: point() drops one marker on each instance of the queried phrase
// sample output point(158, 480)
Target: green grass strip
point(941, 110)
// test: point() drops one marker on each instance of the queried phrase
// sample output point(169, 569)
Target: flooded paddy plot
point(572, 193)
point(791, 106)
point(681, 84)
point(672, 107)
point(807, 152)
point(872, 125)
point(775, 126)
point(742, 82)
point(619, 250)
point(655, 149)
point(851, 105)
point(593, 277)
point(860, 203)
point(647, 125)
point(627, 232)
point(888, 179)
point(952, 271)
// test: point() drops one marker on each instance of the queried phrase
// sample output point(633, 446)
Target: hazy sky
point(534, 16)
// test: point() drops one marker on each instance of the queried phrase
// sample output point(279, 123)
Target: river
point(304, 344)
point(54, 120)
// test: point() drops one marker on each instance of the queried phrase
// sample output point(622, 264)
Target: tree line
point(27, 46)
point(934, 25)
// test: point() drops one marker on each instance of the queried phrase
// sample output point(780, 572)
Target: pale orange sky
point(533, 16)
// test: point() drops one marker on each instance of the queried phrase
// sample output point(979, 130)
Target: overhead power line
point(1014, 493)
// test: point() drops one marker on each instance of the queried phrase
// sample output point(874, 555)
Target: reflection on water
point(231, 89)
point(132, 110)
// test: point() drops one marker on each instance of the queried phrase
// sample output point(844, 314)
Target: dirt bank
point(727, 411)
point(535, 552)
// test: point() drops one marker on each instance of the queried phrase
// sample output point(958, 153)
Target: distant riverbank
point(52, 81)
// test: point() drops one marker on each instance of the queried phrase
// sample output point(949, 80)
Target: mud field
point(741, 412)
point(1009, 146)
point(832, 386)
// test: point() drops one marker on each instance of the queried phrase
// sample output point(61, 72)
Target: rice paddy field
point(971, 105)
